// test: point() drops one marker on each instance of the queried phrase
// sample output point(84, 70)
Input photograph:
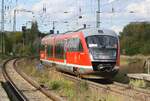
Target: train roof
point(97, 31)
point(88, 32)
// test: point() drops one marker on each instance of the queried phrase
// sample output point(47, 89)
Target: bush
point(145, 49)
point(55, 85)
point(135, 39)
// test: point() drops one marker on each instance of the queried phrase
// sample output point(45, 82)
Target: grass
point(79, 91)
point(55, 85)
point(2, 56)
point(138, 83)
point(83, 86)
point(112, 98)
point(54, 81)
point(134, 64)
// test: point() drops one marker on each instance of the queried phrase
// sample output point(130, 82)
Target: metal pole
point(14, 23)
point(54, 26)
point(148, 62)
point(2, 17)
point(54, 22)
point(98, 15)
point(2, 26)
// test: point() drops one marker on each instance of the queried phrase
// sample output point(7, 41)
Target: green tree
point(33, 39)
point(12, 42)
point(135, 38)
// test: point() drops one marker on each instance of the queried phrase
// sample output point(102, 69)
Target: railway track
point(13, 92)
point(18, 88)
point(126, 92)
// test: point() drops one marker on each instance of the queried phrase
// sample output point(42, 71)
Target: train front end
point(104, 51)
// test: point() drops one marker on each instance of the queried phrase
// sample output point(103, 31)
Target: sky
point(115, 14)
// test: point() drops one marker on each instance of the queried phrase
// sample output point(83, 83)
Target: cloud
point(117, 29)
point(141, 9)
point(110, 1)
point(56, 8)
point(55, 12)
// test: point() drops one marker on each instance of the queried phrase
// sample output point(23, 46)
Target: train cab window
point(74, 45)
point(102, 46)
point(100, 41)
point(50, 50)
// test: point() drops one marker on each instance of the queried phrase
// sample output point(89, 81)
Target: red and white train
point(89, 51)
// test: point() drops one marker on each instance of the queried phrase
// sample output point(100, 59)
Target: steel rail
point(46, 92)
point(117, 88)
point(15, 92)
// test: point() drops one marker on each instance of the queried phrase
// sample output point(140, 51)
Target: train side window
point(80, 47)
point(50, 50)
point(74, 45)
point(70, 45)
point(59, 49)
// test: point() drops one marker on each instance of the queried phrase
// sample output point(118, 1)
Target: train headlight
point(100, 67)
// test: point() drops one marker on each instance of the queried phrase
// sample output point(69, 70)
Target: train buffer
point(140, 76)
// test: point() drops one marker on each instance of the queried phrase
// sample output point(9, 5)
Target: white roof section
point(97, 31)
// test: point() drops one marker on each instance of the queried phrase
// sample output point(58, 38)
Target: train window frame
point(116, 39)
point(59, 49)
point(74, 45)
point(80, 46)
point(49, 50)
point(104, 48)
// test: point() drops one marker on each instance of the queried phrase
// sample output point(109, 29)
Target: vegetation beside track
point(138, 83)
point(2, 56)
point(55, 82)
point(132, 64)
point(25, 43)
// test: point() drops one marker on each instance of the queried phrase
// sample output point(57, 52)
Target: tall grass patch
point(54, 81)
point(138, 83)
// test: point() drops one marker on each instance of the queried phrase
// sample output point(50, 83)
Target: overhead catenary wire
point(113, 12)
point(82, 8)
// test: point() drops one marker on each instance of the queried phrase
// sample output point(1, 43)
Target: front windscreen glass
point(102, 46)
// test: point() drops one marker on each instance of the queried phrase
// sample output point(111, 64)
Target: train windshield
point(102, 46)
